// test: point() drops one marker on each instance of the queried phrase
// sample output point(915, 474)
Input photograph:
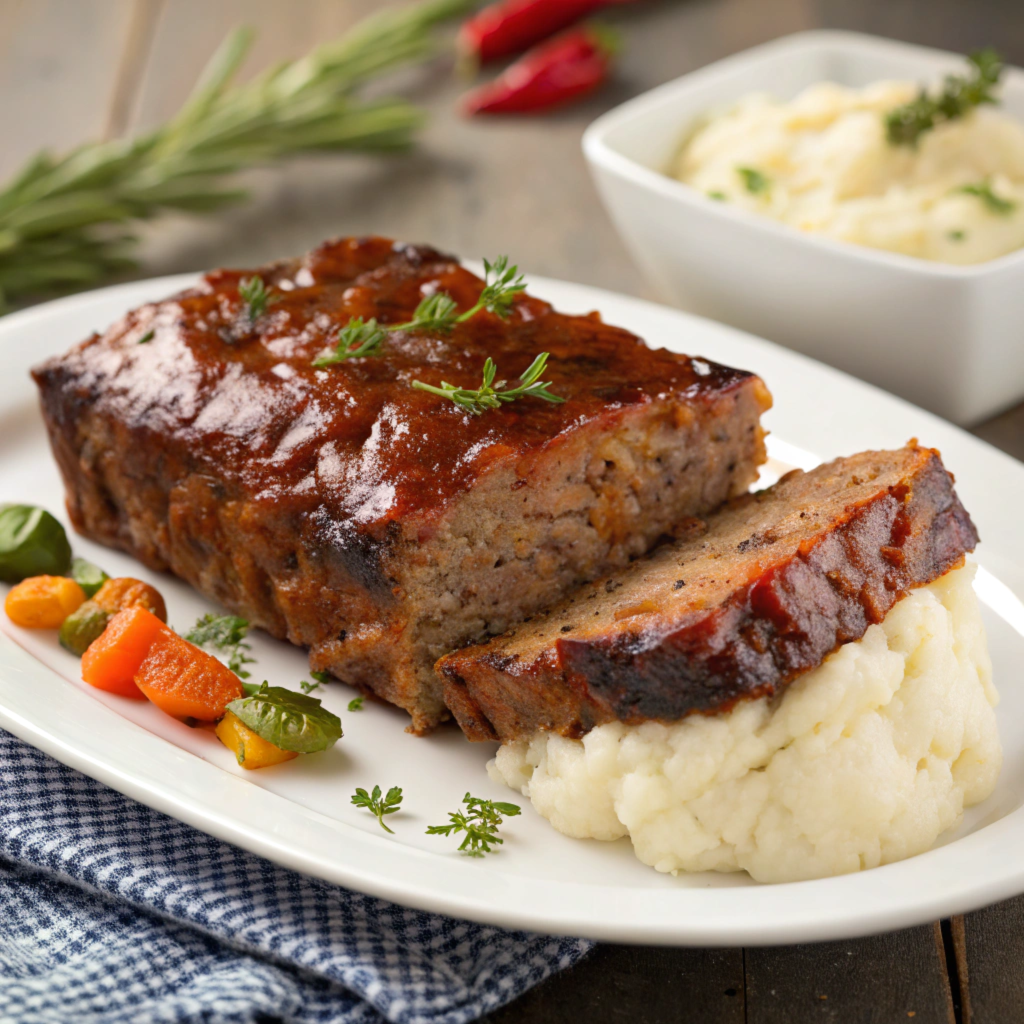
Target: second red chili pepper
point(568, 67)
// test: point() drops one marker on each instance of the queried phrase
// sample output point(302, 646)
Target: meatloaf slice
point(344, 510)
point(776, 581)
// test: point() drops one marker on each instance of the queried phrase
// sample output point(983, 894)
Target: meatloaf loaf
point(380, 525)
point(767, 588)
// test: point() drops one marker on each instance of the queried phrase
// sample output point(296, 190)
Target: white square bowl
point(948, 338)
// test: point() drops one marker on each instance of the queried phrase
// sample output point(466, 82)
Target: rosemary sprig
point(479, 822)
point(996, 204)
point(64, 221)
point(379, 805)
point(437, 312)
point(491, 394)
point(905, 125)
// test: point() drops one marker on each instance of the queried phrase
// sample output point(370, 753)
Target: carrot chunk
point(185, 681)
point(112, 659)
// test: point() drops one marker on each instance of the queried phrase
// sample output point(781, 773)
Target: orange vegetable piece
point(250, 749)
point(43, 602)
point(185, 681)
point(113, 658)
point(123, 591)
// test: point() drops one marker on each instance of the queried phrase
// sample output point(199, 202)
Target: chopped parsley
point(995, 204)
point(755, 182)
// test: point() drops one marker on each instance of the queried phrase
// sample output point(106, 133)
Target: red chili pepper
point(512, 26)
point(569, 66)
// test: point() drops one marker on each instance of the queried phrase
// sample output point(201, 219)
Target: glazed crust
point(778, 581)
point(340, 508)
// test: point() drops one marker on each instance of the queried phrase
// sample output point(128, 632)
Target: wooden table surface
point(72, 70)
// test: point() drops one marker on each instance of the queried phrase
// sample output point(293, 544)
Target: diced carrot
point(111, 660)
point(185, 681)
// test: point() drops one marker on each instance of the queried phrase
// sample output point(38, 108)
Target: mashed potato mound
point(823, 165)
point(863, 761)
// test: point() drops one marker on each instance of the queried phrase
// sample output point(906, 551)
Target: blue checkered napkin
point(111, 913)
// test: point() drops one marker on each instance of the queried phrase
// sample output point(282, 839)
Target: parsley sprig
point(491, 393)
point(905, 125)
point(479, 822)
point(356, 703)
point(378, 805)
point(437, 312)
point(994, 203)
point(224, 633)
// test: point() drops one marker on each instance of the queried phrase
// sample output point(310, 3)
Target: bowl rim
point(598, 151)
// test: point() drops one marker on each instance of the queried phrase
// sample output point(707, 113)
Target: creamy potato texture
point(822, 164)
point(865, 760)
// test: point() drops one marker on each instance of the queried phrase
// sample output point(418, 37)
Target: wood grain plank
point(637, 985)
point(991, 946)
point(895, 977)
point(58, 71)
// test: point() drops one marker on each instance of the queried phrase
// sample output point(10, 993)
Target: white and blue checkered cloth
point(111, 913)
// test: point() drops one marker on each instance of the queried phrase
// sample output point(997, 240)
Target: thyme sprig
point(905, 125)
point(379, 805)
point(491, 394)
point(256, 296)
point(479, 822)
point(224, 633)
point(65, 222)
point(436, 312)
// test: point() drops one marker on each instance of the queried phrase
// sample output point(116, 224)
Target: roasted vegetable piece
point(287, 719)
point(43, 602)
point(125, 592)
point(250, 749)
point(110, 662)
point(185, 681)
point(32, 543)
point(82, 627)
point(88, 576)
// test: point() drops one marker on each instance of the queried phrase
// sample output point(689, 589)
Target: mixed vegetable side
point(119, 629)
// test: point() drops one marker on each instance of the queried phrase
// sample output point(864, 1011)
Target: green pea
point(32, 543)
point(83, 626)
point(88, 576)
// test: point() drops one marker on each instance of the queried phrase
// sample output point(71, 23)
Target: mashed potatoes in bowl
point(863, 761)
point(822, 163)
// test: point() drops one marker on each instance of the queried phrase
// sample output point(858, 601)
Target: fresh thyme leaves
point(356, 703)
point(224, 633)
point(905, 125)
point(437, 312)
point(755, 182)
point(147, 337)
point(479, 822)
point(287, 719)
point(995, 204)
point(319, 679)
point(491, 394)
point(357, 338)
point(379, 805)
point(256, 296)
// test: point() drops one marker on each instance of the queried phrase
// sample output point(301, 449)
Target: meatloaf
point(758, 595)
point(377, 524)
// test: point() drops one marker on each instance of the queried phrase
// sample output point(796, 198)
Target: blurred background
point(75, 70)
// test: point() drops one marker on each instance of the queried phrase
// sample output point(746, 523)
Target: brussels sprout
point(83, 626)
point(88, 576)
point(32, 543)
